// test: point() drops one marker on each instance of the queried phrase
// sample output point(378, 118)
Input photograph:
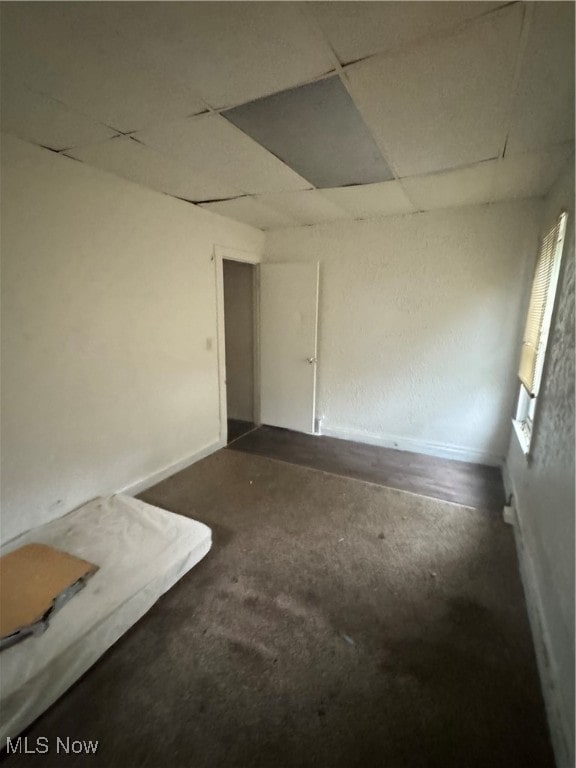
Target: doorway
point(239, 287)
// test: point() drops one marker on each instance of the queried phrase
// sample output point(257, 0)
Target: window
point(537, 329)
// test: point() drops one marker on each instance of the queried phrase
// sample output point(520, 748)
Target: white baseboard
point(441, 450)
point(156, 477)
point(560, 733)
point(508, 485)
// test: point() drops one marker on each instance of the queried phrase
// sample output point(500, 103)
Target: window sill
point(523, 434)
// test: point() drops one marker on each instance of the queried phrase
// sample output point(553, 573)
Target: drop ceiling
point(292, 114)
point(317, 130)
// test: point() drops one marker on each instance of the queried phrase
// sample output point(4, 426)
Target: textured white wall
point(108, 301)
point(544, 489)
point(239, 331)
point(419, 324)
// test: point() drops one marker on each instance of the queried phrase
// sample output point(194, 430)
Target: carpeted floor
point(335, 624)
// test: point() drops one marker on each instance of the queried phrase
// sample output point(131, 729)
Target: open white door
point(288, 344)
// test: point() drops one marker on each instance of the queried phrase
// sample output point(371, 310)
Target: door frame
point(221, 253)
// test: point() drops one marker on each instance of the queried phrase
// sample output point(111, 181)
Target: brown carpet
point(335, 623)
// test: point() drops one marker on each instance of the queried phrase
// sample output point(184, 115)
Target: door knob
point(311, 360)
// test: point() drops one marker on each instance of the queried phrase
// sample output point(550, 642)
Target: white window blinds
point(540, 308)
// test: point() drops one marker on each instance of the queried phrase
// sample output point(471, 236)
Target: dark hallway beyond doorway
point(239, 322)
point(237, 428)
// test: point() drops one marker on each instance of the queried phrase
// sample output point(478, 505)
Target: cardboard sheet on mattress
point(141, 550)
point(35, 581)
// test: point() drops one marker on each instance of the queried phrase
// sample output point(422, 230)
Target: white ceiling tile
point(235, 51)
point(126, 157)
point(131, 65)
point(42, 120)
point(359, 29)
point(531, 174)
point(309, 207)
point(544, 107)
point(91, 57)
point(451, 189)
point(444, 103)
point(212, 145)
point(384, 199)
point(251, 211)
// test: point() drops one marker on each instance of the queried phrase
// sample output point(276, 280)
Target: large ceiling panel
point(311, 207)
point(369, 200)
point(126, 157)
point(91, 57)
point(544, 106)
point(42, 120)
point(233, 51)
point(359, 29)
point(451, 189)
point(317, 131)
point(443, 104)
point(212, 145)
point(251, 211)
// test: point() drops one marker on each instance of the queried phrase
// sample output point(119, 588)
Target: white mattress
point(142, 551)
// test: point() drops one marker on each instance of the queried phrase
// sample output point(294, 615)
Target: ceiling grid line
point(340, 69)
point(389, 107)
point(527, 16)
point(320, 34)
point(308, 81)
point(74, 110)
point(250, 166)
point(528, 11)
point(441, 34)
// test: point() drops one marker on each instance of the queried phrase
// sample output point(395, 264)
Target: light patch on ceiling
point(445, 103)
point(135, 64)
point(544, 105)
point(359, 29)
point(251, 211)
point(451, 189)
point(522, 176)
point(531, 174)
point(211, 145)
point(316, 130)
point(384, 199)
point(47, 122)
point(91, 57)
point(132, 160)
point(233, 52)
point(311, 207)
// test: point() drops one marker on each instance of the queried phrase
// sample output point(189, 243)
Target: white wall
point(108, 301)
point(543, 488)
point(239, 331)
point(420, 324)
